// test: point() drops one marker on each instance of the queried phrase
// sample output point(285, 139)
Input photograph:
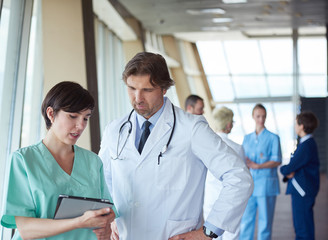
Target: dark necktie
point(144, 136)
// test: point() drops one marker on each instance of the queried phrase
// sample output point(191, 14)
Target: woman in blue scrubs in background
point(304, 176)
point(54, 166)
point(263, 156)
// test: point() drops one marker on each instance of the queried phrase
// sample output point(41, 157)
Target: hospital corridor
point(180, 118)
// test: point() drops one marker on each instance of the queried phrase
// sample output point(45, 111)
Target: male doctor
point(155, 163)
point(194, 104)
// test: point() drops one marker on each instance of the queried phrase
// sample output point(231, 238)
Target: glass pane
point(244, 57)
point(277, 56)
point(212, 57)
point(313, 86)
point(5, 233)
point(312, 55)
point(250, 86)
point(113, 99)
point(285, 121)
point(246, 117)
point(221, 88)
point(4, 28)
point(34, 78)
point(264, 68)
point(280, 85)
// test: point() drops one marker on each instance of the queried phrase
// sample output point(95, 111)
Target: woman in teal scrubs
point(54, 166)
point(263, 156)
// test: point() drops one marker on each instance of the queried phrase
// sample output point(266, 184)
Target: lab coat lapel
point(162, 127)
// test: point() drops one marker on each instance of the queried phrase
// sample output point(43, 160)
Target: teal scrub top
point(260, 149)
point(36, 180)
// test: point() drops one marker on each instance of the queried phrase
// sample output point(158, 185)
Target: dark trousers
point(303, 216)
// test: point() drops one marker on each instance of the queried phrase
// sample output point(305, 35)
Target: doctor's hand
point(193, 235)
point(115, 235)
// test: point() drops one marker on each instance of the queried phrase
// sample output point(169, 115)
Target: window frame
point(12, 101)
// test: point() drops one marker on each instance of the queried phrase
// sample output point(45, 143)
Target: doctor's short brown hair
point(154, 65)
point(66, 96)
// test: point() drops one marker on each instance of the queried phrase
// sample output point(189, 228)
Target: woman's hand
point(251, 164)
point(267, 164)
point(291, 175)
point(94, 218)
point(35, 228)
point(105, 232)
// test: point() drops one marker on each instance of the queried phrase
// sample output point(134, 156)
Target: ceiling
point(183, 18)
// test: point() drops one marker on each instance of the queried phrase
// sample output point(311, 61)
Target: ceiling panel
point(171, 16)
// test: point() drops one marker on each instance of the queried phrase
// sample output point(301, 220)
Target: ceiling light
point(223, 28)
point(222, 20)
point(206, 11)
point(234, 1)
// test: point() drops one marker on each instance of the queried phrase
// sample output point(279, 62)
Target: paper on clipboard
point(72, 206)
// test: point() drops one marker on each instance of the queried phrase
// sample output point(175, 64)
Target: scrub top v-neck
point(36, 180)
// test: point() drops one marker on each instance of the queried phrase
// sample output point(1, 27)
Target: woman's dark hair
point(154, 65)
point(259, 106)
point(309, 121)
point(66, 96)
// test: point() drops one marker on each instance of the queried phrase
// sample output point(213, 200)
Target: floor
point(283, 225)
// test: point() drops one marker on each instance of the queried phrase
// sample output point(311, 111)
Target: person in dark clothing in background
point(302, 174)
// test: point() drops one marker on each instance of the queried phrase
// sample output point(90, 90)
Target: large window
point(113, 99)
point(15, 25)
point(32, 119)
point(313, 64)
point(245, 72)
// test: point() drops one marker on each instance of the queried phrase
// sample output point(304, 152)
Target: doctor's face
point(144, 97)
point(198, 109)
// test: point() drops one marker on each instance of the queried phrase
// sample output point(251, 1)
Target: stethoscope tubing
point(128, 121)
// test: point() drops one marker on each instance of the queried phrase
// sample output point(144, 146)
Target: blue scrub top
point(260, 149)
point(36, 180)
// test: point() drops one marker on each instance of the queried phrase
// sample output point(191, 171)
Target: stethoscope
point(128, 122)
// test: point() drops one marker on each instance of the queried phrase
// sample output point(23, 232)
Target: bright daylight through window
point(243, 72)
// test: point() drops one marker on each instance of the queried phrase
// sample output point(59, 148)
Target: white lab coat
point(159, 201)
point(213, 188)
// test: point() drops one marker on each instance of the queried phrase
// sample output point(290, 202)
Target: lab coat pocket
point(178, 227)
point(171, 173)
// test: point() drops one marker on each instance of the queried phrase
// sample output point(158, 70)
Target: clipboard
point(73, 206)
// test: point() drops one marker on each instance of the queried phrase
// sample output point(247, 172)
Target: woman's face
point(259, 116)
point(67, 126)
point(298, 128)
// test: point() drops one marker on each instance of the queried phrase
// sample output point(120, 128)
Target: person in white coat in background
point(156, 159)
point(224, 123)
